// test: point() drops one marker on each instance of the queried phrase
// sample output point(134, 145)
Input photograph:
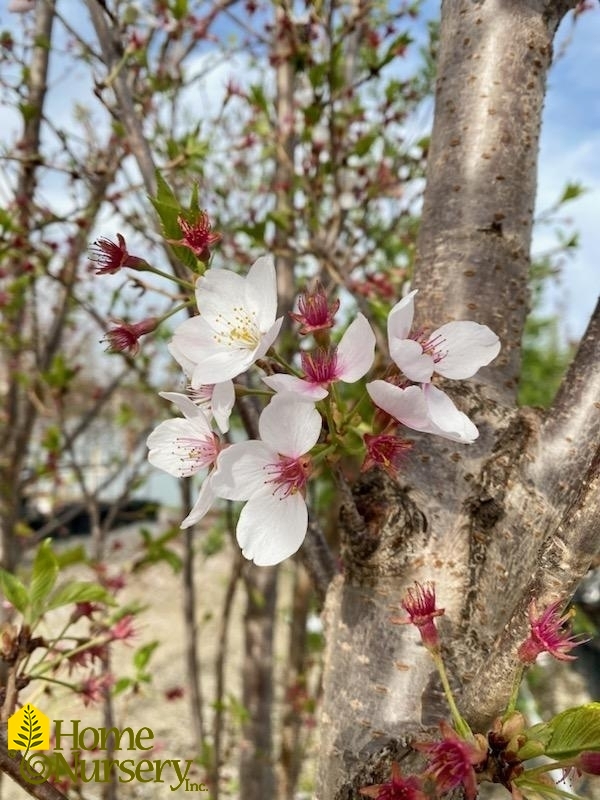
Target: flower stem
point(459, 723)
point(514, 695)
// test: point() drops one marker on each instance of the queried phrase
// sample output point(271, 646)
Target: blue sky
point(570, 145)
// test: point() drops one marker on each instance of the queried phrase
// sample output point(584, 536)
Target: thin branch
point(11, 766)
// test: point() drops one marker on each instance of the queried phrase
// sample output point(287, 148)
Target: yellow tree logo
point(29, 729)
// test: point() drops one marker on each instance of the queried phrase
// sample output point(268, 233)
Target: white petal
point(222, 402)
point(271, 529)
point(261, 291)
point(408, 405)
point(187, 407)
point(446, 419)
point(240, 470)
point(268, 338)
point(467, 346)
point(202, 505)
point(183, 346)
point(220, 365)
point(182, 447)
point(216, 291)
point(290, 425)
point(356, 350)
point(400, 317)
point(290, 383)
point(414, 363)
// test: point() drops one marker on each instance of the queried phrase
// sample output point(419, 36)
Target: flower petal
point(268, 338)
point(202, 505)
point(222, 402)
point(400, 318)
point(240, 470)
point(292, 384)
point(414, 363)
point(290, 425)
point(215, 291)
point(446, 419)
point(272, 528)
point(408, 405)
point(188, 408)
point(183, 345)
point(182, 447)
point(356, 350)
point(467, 345)
point(261, 291)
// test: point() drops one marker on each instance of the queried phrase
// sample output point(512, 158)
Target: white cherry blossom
point(349, 361)
point(424, 408)
point(235, 327)
point(185, 446)
point(455, 350)
point(270, 475)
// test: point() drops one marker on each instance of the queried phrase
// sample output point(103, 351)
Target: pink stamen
point(288, 474)
point(434, 347)
point(320, 366)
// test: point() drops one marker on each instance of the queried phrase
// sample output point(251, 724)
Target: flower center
point(320, 367)
point(288, 474)
point(195, 453)
point(238, 329)
point(434, 347)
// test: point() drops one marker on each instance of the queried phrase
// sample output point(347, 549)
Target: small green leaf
point(364, 144)
point(574, 730)
point(142, 656)
point(43, 578)
point(571, 192)
point(121, 685)
point(14, 591)
point(79, 592)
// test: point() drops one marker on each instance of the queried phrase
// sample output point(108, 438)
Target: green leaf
point(121, 685)
point(43, 578)
point(14, 591)
point(573, 731)
point(363, 145)
point(79, 592)
point(142, 656)
point(571, 192)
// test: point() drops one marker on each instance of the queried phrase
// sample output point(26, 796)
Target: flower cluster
point(457, 350)
point(463, 760)
point(306, 422)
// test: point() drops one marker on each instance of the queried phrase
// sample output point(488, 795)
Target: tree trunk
point(495, 523)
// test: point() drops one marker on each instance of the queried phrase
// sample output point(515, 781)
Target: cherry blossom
point(384, 450)
point(419, 604)
point(270, 475)
point(235, 327)
point(455, 350)
point(197, 236)
point(125, 336)
point(314, 311)
point(452, 761)
point(347, 362)
point(397, 788)
point(112, 257)
point(183, 447)
point(423, 408)
point(549, 633)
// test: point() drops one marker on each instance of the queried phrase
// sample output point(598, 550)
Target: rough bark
point(498, 522)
